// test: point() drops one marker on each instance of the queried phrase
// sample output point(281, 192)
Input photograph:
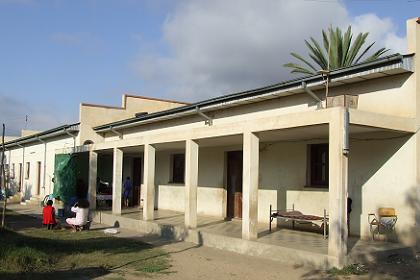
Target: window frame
point(177, 167)
point(12, 171)
point(27, 170)
point(311, 180)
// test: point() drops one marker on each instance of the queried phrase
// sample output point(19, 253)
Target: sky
point(55, 54)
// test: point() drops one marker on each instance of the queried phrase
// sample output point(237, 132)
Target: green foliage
point(155, 265)
point(23, 259)
point(352, 269)
point(342, 49)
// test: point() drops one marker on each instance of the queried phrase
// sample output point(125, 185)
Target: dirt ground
point(190, 261)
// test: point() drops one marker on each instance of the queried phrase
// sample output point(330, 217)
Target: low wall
point(210, 201)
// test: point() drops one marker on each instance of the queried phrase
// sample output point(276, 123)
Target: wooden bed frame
point(296, 216)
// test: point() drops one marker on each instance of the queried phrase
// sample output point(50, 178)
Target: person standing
point(128, 186)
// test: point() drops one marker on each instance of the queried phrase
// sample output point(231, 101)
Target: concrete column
point(191, 183)
point(93, 175)
point(413, 38)
point(117, 181)
point(149, 182)
point(250, 186)
point(338, 178)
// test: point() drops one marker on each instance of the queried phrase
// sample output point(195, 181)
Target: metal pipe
point(45, 164)
point(311, 93)
point(71, 135)
point(209, 121)
point(346, 144)
point(119, 134)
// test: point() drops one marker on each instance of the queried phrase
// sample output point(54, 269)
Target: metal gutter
point(397, 62)
point(64, 129)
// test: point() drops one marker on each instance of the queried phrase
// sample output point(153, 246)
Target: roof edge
point(43, 133)
point(395, 58)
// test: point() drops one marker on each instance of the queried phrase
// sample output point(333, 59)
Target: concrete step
point(34, 201)
point(14, 199)
point(208, 239)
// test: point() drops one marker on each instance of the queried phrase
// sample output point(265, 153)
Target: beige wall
point(94, 115)
point(376, 179)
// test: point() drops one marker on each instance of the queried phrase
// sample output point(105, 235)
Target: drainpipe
point(346, 142)
point(119, 134)
point(312, 94)
point(45, 163)
point(22, 171)
point(10, 166)
point(73, 136)
point(208, 120)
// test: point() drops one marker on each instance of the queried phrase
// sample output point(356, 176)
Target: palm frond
point(297, 56)
point(298, 69)
point(339, 50)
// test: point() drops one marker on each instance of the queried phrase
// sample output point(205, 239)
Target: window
point(318, 165)
point(178, 168)
point(28, 165)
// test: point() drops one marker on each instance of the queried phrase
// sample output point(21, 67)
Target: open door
point(38, 178)
point(20, 177)
point(136, 181)
point(234, 184)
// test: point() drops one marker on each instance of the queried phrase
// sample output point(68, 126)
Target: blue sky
point(55, 54)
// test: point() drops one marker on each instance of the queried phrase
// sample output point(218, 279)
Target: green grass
point(352, 269)
point(36, 253)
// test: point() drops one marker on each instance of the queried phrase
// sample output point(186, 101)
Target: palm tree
point(343, 52)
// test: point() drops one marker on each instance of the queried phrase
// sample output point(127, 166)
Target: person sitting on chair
point(81, 208)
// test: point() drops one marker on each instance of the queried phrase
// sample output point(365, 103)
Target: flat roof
point(382, 67)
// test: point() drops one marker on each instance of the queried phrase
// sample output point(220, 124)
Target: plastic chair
point(386, 220)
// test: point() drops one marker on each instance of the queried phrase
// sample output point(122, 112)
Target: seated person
point(81, 208)
point(48, 215)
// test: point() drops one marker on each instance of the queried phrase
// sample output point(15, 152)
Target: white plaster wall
point(382, 174)
point(33, 154)
point(210, 201)
point(283, 180)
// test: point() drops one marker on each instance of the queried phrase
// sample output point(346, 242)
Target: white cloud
point(216, 47)
point(381, 30)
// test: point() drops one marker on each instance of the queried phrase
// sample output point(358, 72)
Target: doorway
point(234, 184)
point(137, 170)
point(38, 178)
point(20, 177)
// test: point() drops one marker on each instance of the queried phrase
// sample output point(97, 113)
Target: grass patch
point(35, 253)
point(352, 269)
point(157, 265)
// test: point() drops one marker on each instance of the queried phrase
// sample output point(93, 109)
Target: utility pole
point(3, 178)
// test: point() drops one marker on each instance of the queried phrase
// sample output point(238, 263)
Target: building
point(31, 157)
point(235, 155)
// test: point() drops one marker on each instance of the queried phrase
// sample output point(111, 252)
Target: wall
point(91, 115)
point(33, 153)
point(376, 179)
point(382, 174)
